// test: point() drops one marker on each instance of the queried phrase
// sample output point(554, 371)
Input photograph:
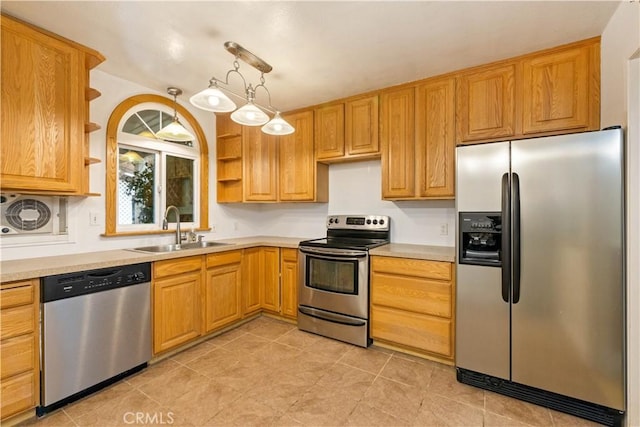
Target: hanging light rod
point(250, 114)
point(255, 61)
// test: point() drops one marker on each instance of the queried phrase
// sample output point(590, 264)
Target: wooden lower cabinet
point(193, 296)
point(289, 282)
point(223, 290)
point(176, 292)
point(260, 280)
point(270, 279)
point(19, 355)
point(412, 305)
point(251, 277)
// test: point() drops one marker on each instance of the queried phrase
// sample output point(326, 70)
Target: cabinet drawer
point(18, 355)
point(18, 394)
point(176, 266)
point(414, 330)
point(17, 293)
point(411, 293)
point(16, 321)
point(224, 258)
point(412, 267)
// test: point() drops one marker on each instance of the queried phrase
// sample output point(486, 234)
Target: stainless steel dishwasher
point(96, 329)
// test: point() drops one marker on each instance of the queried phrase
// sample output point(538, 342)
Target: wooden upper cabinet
point(486, 102)
point(347, 131)
point(561, 90)
point(397, 135)
point(260, 165)
point(329, 132)
point(44, 110)
point(300, 178)
point(361, 133)
point(435, 138)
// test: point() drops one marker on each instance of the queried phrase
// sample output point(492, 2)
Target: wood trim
point(111, 182)
point(93, 57)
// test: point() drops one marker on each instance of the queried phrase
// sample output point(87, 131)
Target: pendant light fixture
point(251, 114)
point(174, 131)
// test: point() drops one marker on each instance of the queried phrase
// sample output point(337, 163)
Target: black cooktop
point(345, 243)
point(355, 232)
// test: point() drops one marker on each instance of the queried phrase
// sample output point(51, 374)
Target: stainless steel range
point(333, 293)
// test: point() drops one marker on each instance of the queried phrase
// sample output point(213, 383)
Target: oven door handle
point(342, 253)
point(330, 317)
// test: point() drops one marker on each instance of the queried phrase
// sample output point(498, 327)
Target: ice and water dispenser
point(480, 238)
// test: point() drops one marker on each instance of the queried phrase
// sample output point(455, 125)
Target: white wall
point(621, 106)
point(354, 188)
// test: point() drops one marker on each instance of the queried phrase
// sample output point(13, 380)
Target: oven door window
point(332, 275)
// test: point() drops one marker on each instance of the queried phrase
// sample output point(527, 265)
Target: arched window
point(145, 175)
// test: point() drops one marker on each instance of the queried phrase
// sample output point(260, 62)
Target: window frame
point(116, 121)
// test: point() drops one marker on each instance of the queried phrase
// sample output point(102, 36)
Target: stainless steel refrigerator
point(540, 271)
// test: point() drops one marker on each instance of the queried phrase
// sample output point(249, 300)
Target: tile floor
point(268, 373)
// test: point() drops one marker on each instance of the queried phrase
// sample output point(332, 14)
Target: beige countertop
point(46, 266)
point(405, 250)
point(30, 268)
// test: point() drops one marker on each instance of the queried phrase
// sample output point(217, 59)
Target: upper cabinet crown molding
point(45, 111)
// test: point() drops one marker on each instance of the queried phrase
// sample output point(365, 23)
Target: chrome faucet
point(165, 223)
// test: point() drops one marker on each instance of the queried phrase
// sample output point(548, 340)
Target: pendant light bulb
point(278, 126)
point(213, 99)
point(249, 115)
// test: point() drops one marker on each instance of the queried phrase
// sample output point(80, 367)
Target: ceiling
point(319, 50)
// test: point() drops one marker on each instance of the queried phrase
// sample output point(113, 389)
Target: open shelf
point(90, 94)
point(91, 160)
point(91, 127)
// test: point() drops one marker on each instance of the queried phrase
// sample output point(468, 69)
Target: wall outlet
point(94, 218)
point(213, 228)
point(235, 225)
point(444, 229)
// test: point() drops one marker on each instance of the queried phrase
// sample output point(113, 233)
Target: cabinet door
point(289, 277)
point(42, 111)
point(270, 275)
point(251, 280)
point(329, 132)
point(397, 135)
point(361, 134)
point(18, 394)
point(223, 296)
point(435, 138)
point(560, 89)
point(260, 165)
point(486, 107)
point(176, 310)
point(297, 166)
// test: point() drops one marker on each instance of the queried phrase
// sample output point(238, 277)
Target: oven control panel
point(358, 222)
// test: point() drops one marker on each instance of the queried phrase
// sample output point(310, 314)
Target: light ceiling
point(319, 50)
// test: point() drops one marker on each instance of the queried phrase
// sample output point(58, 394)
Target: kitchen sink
point(182, 247)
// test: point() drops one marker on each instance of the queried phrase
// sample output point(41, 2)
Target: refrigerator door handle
point(515, 223)
point(506, 241)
